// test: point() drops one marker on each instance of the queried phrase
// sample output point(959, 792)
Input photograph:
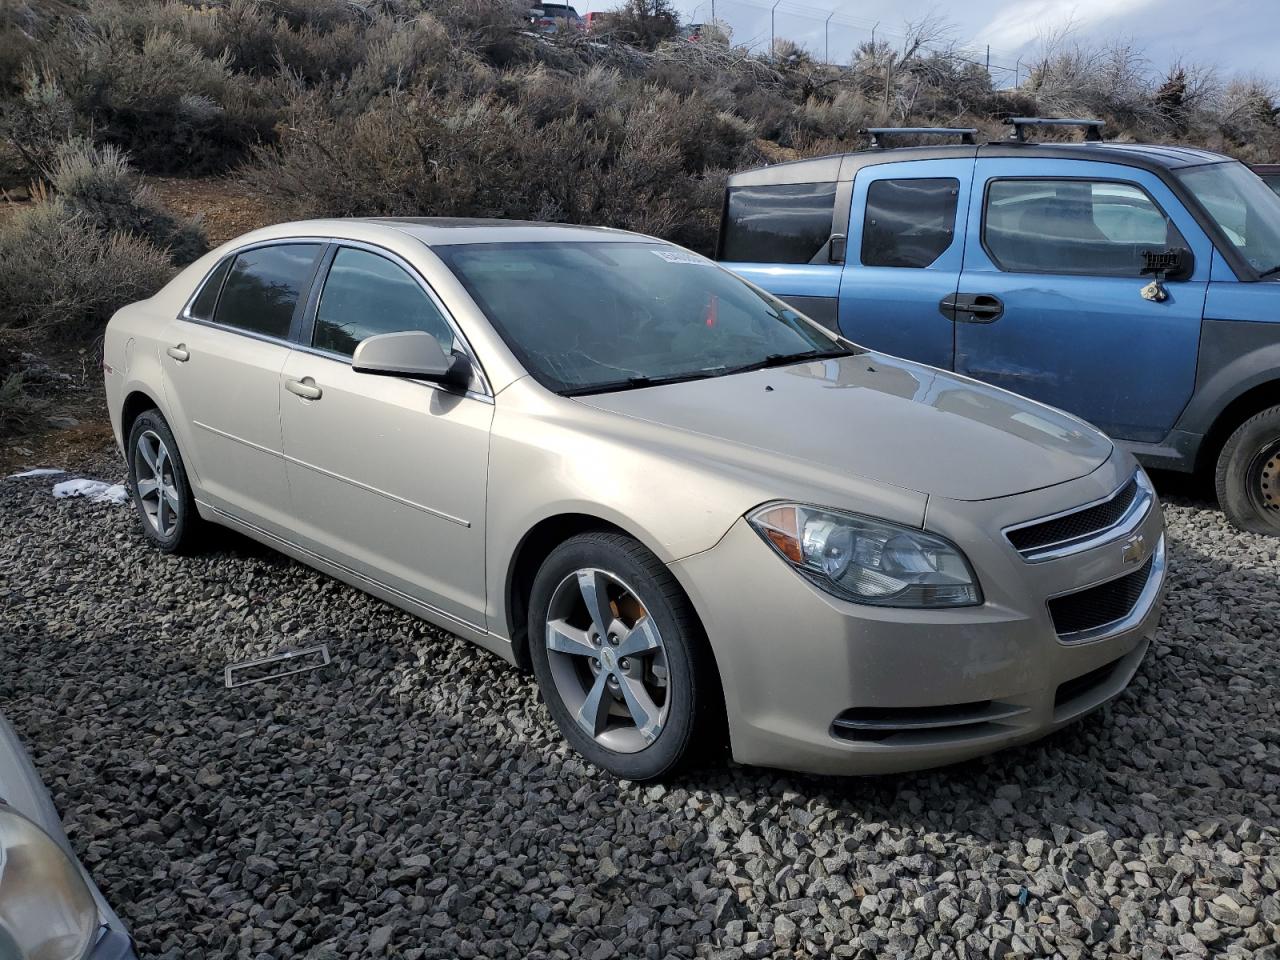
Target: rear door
point(221, 363)
point(1051, 298)
point(905, 250)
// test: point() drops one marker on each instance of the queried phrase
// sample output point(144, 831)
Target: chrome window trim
point(1129, 521)
point(485, 393)
point(1146, 600)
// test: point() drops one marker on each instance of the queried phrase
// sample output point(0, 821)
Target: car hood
point(881, 418)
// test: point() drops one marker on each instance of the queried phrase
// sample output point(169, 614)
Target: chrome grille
point(1096, 607)
point(1083, 528)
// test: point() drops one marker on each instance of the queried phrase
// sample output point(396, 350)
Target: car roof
point(441, 231)
point(843, 166)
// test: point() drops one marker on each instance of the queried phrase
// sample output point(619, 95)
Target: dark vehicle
point(1270, 174)
point(1136, 286)
point(550, 17)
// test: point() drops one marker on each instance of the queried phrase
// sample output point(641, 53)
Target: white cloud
point(1025, 21)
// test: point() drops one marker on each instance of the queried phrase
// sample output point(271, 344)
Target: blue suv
point(1135, 286)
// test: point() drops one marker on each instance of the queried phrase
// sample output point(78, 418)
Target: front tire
point(620, 657)
point(158, 482)
point(1248, 474)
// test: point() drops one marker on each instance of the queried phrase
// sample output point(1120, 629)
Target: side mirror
point(1174, 263)
point(411, 354)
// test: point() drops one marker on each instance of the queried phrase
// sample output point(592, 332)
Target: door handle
point(179, 353)
point(305, 388)
point(972, 307)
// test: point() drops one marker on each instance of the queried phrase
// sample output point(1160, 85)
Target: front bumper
point(813, 683)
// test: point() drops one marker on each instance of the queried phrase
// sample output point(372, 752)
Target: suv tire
point(1247, 478)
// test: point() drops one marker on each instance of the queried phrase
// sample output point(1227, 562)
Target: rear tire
point(637, 696)
point(1247, 478)
point(160, 490)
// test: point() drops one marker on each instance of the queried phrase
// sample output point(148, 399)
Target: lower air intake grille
point(1100, 605)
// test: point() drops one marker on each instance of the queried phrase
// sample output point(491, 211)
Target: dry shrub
point(533, 145)
point(98, 184)
point(158, 97)
point(62, 278)
point(36, 123)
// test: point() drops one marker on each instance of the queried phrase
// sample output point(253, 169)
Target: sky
point(1238, 37)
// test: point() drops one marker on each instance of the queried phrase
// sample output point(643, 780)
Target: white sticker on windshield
point(679, 256)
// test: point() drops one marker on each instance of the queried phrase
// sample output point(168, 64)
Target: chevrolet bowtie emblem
point(1135, 549)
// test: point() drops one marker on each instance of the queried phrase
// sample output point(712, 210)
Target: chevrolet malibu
point(687, 508)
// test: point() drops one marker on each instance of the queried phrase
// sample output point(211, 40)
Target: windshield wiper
point(636, 383)
point(1269, 273)
point(785, 359)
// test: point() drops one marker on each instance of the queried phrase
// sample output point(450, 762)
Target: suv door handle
point(305, 388)
point(179, 353)
point(972, 307)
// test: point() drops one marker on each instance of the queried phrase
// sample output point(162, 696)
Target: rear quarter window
point(780, 223)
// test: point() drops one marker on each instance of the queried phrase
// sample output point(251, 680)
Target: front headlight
point(868, 561)
point(46, 909)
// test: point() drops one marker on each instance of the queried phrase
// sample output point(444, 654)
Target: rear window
point(780, 223)
point(909, 223)
point(263, 288)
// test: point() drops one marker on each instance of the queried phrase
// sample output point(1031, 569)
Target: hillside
point(121, 119)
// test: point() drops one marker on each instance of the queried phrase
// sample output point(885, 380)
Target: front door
point(221, 363)
point(1052, 297)
point(906, 244)
point(388, 474)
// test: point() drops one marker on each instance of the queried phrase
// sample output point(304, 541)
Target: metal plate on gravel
point(283, 664)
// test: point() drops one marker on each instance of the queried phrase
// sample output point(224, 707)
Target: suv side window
point(1084, 227)
point(263, 287)
point(779, 223)
point(909, 223)
point(365, 295)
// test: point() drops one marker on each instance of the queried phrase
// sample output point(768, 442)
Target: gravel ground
point(413, 799)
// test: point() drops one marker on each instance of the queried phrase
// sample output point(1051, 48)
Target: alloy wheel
point(608, 660)
point(157, 486)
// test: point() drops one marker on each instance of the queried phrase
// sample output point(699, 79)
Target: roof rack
point(966, 134)
point(1092, 128)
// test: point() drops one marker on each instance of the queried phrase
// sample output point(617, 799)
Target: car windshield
point(590, 317)
point(1243, 207)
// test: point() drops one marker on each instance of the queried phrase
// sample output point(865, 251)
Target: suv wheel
point(620, 657)
point(158, 481)
point(1248, 474)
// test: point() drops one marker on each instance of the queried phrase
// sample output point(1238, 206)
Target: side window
point(202, 306)
point(782, 223)
point(365, 295)
point(263, 287)
point(1083, 227)
point(909, 223)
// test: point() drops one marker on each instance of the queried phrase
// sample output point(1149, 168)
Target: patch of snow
point(99, 491)
point(37, 472)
